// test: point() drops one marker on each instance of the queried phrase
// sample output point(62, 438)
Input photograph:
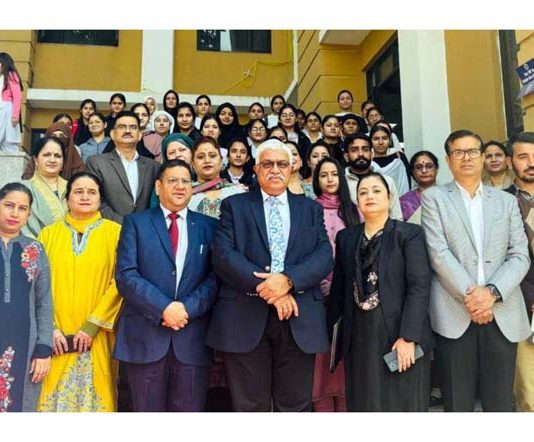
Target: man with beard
point(522, 146)
point(358, 154)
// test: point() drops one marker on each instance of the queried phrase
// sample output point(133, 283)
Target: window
point(234, 41)
point(383, 87)
point(511, 84)
point(77, 37)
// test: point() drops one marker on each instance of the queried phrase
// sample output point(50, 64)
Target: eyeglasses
point(130, 127)
point(460, 154)
point(267, 164)
point(257, 129)
point(175, 181)
point(427, 166)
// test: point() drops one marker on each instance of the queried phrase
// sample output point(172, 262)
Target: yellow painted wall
point(108, 68)
point(223, 73)
point(525, 40)
point(326, 69)
point(475, 83)
point(20, 44)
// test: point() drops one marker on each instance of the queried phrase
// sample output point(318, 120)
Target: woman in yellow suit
point(82, 250)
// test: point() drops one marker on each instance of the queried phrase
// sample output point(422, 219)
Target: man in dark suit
point(164, 274)
point(127, 178)
point(271, 252)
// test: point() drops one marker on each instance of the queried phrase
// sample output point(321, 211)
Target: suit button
point(173, 273)
point(267, 268)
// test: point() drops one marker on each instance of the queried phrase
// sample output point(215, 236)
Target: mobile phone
point(391, 358)
point(70, 344)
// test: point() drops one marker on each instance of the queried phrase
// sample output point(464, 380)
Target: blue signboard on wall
point(526, 75)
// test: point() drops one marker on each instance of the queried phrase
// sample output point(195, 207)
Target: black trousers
point(482, 360)
point(277, 375)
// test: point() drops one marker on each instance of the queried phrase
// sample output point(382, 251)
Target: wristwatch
point(495, 292)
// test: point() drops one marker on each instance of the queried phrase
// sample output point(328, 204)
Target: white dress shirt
point(473, 206)
point(283, 208)
point(182, 241)
point(132, 172)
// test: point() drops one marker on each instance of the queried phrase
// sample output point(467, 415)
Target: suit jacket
point(241, 247)
point(454, 259)
point(404, 283)
point(146, 278)
point(117, 198)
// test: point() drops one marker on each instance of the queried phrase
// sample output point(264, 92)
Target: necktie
point(277, 244)
point(173, 231)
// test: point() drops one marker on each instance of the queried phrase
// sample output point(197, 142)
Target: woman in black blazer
point(381, 287)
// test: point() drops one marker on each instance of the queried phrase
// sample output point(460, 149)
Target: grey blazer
point(117, 198)
point(454, 259)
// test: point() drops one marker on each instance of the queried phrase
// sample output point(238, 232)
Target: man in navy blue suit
point(270, 251)
point(164, 274)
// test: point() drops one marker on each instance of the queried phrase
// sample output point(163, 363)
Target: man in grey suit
point(127, 178)
point(478, 251)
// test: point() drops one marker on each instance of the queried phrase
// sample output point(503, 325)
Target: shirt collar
point(182, 213)
point(282, 198)
point(123, 158)
point(478, 192)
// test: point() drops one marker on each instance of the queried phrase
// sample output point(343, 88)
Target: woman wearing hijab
point(170, 105)
point(230, 128)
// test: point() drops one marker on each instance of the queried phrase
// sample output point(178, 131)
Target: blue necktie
point(277, 244)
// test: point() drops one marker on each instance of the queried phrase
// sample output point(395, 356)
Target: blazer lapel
point(192, 244)
point(295, 213)
point(256, 206)
point(457, 201)
point(488, 210)
point(142, 175)
point(116, 163)
point(161, 229)
point(385, 246)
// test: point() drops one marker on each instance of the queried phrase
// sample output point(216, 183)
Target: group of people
point(220, 257)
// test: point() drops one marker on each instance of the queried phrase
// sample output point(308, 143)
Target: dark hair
point(357, 136)
point(328, 117)
point(60, 116)
point(348, 211)
point(365, 103)
point(262, 122)
point(377, 128)
point(419, 154)
point(242, 141)
point(234, 113)
point(369, 175)
point(372, 109)
point(316, 114)
point(301, 112)
point(521, 137)
point(84, 174)
point(256, 103)
point(288, 106)
point(200, 97)
point(15, 187)
point(142, 105)
point(126, 113)
point(87, 101)
point(495, 143)
point(188, 106)
point(362, 125)
point(99, 115)
point(275, 97)
point(277, 127)
point(168, 164)
point(41, 142)
point(8, 67)
point(205, 139)
point(456, 135)
point(306, 172)
point(119, 96)
point(344, 91)
point(165, 108)
point(209, 117)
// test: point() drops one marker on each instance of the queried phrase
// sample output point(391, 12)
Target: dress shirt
point(283, 208)
point(473, 206)
point(182, 241)
point(132, 172)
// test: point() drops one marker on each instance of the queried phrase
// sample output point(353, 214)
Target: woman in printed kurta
point(81, 249)
point(46, 185)
point(25, 305)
